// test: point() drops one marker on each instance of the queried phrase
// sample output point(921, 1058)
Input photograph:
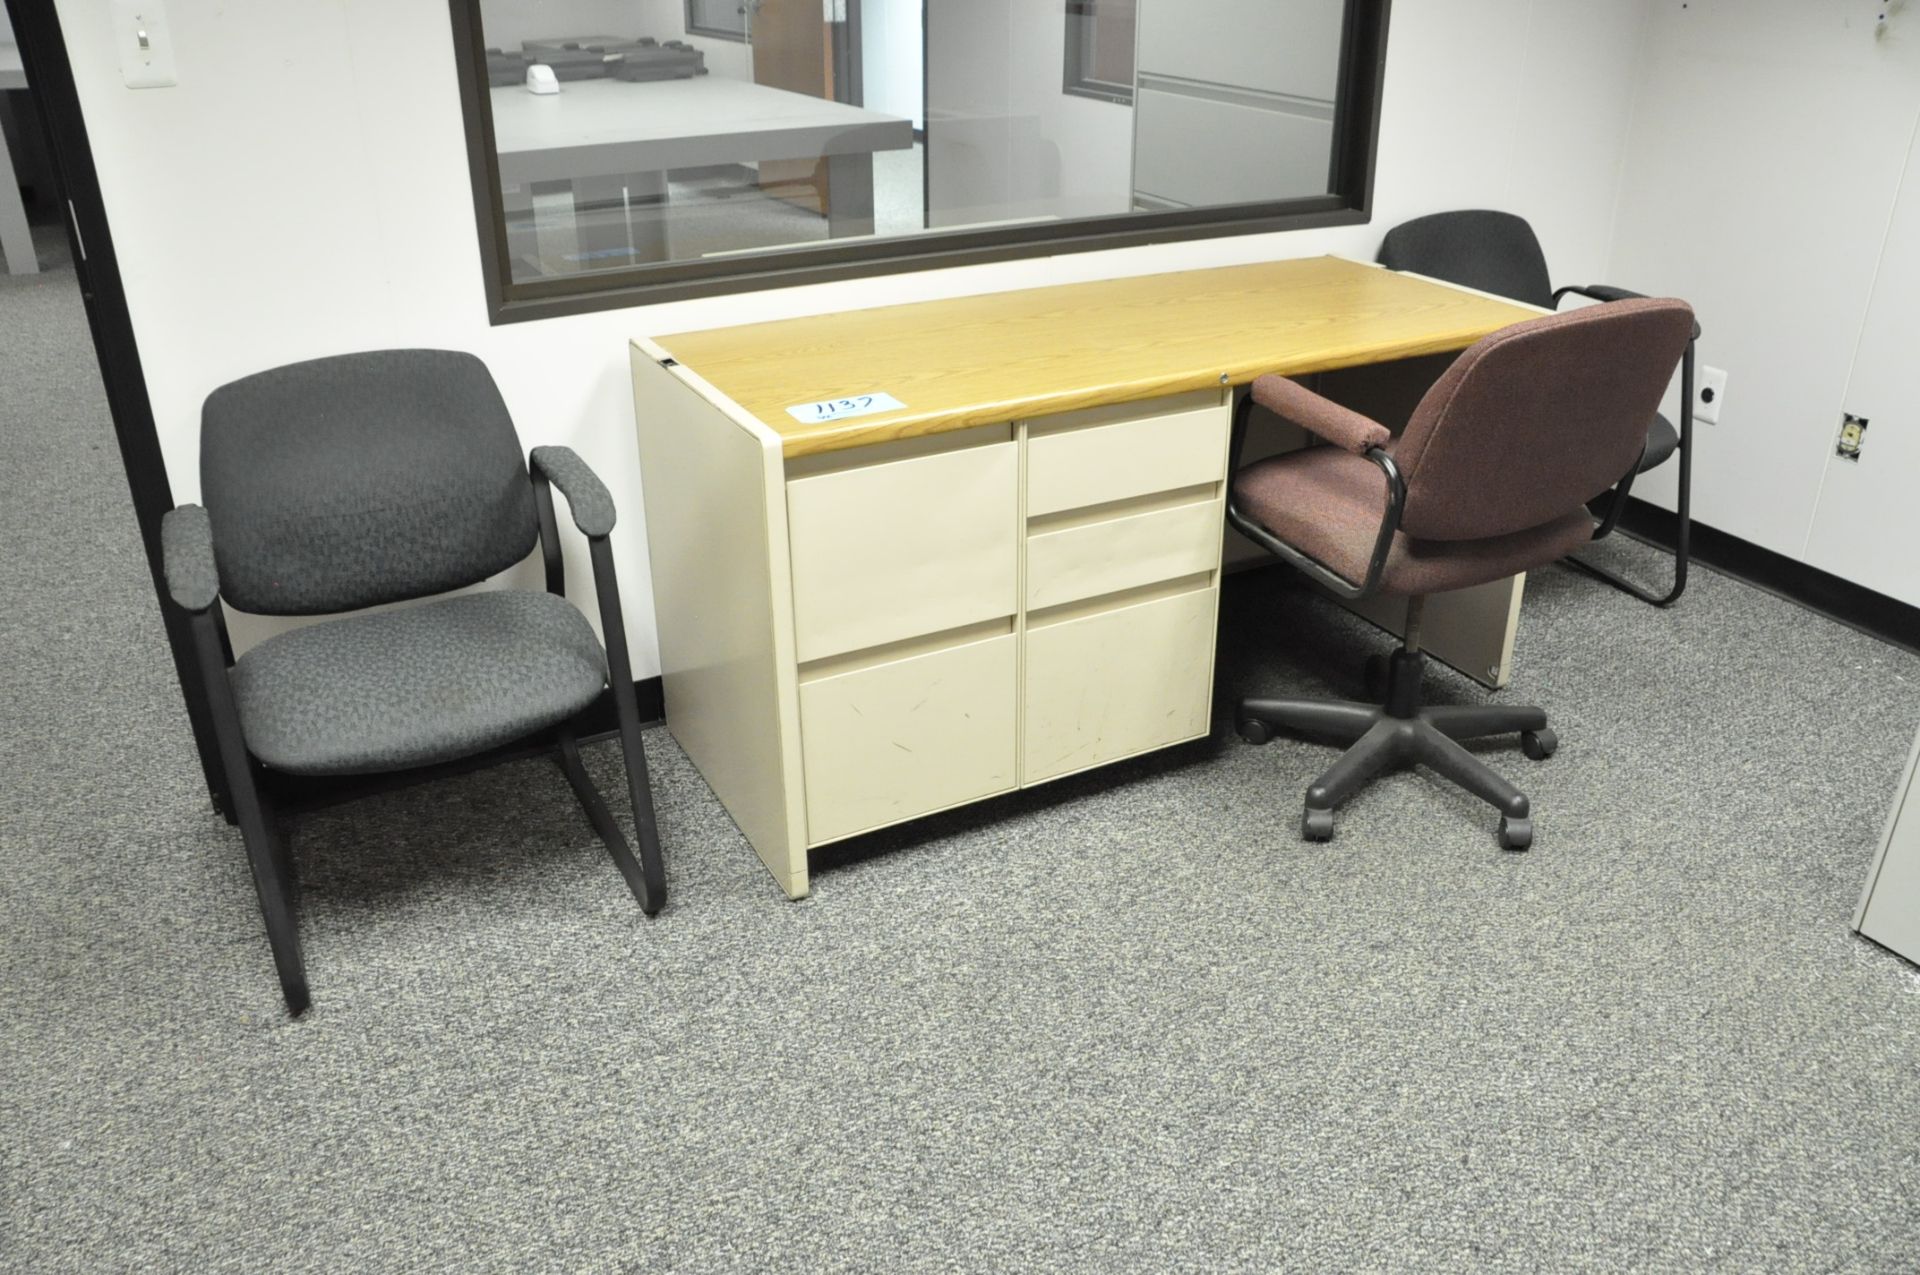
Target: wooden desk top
point(1016, 355)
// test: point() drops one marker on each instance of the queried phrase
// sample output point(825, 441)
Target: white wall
point(1864, 525)
point(892, 64)
point(1767, 146)
point(304, 191)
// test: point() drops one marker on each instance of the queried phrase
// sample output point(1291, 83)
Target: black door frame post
point(56, 99)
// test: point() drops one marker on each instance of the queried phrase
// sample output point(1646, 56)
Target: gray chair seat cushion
point(419, 685)
point(1662, 441)
point(1328, 503)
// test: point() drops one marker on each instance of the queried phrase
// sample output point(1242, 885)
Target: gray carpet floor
point(1126, 1023)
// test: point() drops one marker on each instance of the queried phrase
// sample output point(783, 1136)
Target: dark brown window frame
point(1356, 142)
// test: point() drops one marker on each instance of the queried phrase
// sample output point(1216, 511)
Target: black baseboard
point(1851, 604)
point(296, 793)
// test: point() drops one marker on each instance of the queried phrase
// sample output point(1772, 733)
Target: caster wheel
point(1316, 825)
point(1375, 679)
point(1254, 731)
point(1515, 834)
point(1539, 744)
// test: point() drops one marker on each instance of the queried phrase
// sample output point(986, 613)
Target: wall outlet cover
point(1709, 391)
point(1853, 436)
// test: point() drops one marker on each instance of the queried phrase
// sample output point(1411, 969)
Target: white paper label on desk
point(839, 409)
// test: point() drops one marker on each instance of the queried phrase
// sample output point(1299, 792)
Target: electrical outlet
point(146, 46)
point(1853, 436)
point(1709, 391)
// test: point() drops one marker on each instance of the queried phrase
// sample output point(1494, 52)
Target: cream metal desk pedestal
point(1013, 577)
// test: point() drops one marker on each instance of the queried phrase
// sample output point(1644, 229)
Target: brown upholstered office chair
point(1491, 477)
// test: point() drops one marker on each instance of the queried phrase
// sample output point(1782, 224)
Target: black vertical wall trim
point(43, 48)
point(483, 158)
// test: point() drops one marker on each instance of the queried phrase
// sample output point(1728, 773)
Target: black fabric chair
point(348, 482)
point(1492, 476)
point(1498, 252)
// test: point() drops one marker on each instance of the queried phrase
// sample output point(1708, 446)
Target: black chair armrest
point(1600, 292)
point(1607, 292)
point(587, 497)
point(186, 552)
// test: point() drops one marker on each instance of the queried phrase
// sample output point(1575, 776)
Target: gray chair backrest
point(349, 481)
point(1534, 421)
point(1493, 251)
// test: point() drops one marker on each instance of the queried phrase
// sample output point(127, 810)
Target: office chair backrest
point(1539, 418)
point(349, 481)
point(1493, 251)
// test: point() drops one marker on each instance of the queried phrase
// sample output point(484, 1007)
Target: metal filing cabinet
point(1890, 907)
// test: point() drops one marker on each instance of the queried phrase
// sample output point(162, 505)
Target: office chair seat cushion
point(423, 684)
point(1328, 504)
point(1663, 440)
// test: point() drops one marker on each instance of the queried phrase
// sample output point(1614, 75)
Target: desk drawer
point(908, 737)
point(1107, 685)
point(904, 548)
point(1091, 559)
point(1093, 458)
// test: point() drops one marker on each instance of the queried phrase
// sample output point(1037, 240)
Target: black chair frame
point(263, 827)
point(1683, 534)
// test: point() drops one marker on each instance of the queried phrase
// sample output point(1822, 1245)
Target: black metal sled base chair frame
point(1681, 448)
point(1498, 252)
point(344, 483)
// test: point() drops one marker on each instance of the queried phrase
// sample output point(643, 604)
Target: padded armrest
point(587, 496)
point(186, 552)
point(1339, 425)
point(1607, 292)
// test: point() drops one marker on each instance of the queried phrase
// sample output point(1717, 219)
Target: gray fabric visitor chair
point(1498, 252)
point(348, 482)
point(1491, 477)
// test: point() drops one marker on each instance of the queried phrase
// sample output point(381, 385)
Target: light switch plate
point(146, 45)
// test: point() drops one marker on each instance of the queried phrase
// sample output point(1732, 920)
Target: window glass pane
point(841, 120)
point(724, 17)
point(1111, 58)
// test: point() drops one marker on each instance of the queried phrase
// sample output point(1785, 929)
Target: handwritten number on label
point(843, 406)
point(834, 409)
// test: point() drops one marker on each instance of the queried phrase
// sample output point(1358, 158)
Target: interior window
point(697, 139)
point(726, 19)
point(1100, 49)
